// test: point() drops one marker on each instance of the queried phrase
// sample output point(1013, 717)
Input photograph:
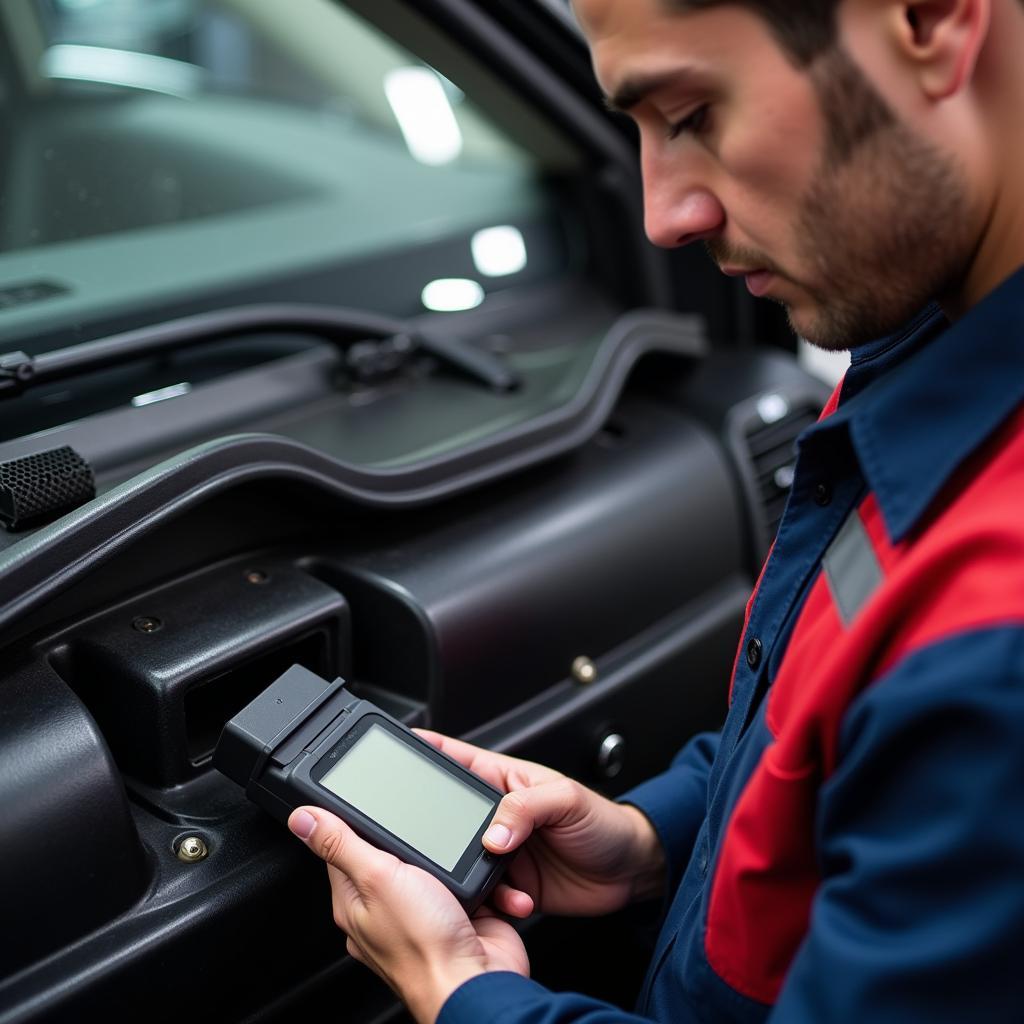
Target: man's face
point(803, 181)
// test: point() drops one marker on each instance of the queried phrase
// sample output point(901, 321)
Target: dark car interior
point(329, 336)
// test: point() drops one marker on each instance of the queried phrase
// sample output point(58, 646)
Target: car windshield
point(169, 155)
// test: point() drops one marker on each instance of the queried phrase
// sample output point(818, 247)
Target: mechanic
point(851, 846)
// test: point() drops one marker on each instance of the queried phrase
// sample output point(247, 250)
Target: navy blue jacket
point(850, 847)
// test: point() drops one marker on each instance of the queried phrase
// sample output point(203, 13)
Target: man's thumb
point(332, 840)
point(523, 811)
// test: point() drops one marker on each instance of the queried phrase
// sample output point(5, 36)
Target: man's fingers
point(501, 770)
point(342, 887)
point(464, 753)
point(483, 762)
point(512, 902)
point(492, 768)
point(435, 739)
point(334, 842)
point(522, 812)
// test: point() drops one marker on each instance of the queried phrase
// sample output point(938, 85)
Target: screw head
point(611, 755)
point(147, 624)
point(584, 670)
point(257, 577)
point(191, 849)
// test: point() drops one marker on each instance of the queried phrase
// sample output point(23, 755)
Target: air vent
point(771, 443)
point(42, 486)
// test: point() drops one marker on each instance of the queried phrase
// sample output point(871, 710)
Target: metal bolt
point(147, 624)
point(611, 755)
point(584, 670)
point(191, 849)
point(256, 576)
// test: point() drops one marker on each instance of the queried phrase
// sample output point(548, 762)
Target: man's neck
point(999, 254)
point(1000, 248)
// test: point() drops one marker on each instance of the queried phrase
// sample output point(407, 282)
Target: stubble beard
point(886, 222)
point(884, 227)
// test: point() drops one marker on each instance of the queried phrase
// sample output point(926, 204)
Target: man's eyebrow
point(635, 90)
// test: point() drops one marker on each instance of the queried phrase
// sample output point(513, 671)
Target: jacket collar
point(919, 403)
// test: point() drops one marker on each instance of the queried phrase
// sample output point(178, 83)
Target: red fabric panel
point(967, 569)
point(963, 570)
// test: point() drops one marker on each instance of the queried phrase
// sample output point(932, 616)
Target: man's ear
point(942, 39)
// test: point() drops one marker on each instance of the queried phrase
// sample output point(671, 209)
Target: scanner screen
point(410, 795)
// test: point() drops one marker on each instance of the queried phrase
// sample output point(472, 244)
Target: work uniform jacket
point(850, 847)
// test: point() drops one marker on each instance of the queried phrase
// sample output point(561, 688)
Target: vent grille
point(43, 485)
point(772, 449)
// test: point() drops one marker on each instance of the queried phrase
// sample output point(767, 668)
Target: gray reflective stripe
point(851, 568)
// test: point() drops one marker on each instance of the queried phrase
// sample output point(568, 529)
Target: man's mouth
point(758, 281)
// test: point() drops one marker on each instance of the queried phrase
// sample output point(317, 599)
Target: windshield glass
point(167, 155)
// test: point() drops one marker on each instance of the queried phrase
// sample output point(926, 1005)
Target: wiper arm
point(344, 327)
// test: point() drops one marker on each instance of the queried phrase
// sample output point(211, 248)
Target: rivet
point(191, 849)
point(611, 755)
point(584, 670)
point(256, 577)
point(147, 624)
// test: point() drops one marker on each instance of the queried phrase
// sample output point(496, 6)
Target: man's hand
point(402, 922)
point(579, 853)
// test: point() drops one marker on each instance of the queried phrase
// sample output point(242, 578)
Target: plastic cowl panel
point(72, 856)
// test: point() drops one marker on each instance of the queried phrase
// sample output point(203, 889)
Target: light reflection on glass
point(499, 251)
point(452, 295)
point(424, 114)
point(161, 394)
point(121, 67)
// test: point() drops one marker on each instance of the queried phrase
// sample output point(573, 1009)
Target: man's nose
point(674, 217)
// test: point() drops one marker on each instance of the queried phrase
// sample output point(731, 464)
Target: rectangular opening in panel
point(209, 705)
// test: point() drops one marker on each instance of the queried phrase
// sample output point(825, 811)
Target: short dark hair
point(805, 28)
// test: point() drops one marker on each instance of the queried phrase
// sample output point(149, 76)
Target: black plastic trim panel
point(53, 557)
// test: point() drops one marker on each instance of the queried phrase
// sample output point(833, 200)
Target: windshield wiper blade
point(343, 327)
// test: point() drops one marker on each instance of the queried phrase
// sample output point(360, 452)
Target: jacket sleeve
point(505, 998)
point(675, 802)
point(920, 914)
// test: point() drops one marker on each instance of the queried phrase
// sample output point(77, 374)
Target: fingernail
point(498, 835)
point(302, 824)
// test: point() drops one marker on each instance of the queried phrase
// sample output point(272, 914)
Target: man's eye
point(692, 124)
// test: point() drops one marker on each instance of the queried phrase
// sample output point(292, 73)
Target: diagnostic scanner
point(306, 741)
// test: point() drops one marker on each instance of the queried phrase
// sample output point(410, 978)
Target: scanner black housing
point(272, 748)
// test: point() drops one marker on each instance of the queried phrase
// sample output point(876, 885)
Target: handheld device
point(306, 741)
